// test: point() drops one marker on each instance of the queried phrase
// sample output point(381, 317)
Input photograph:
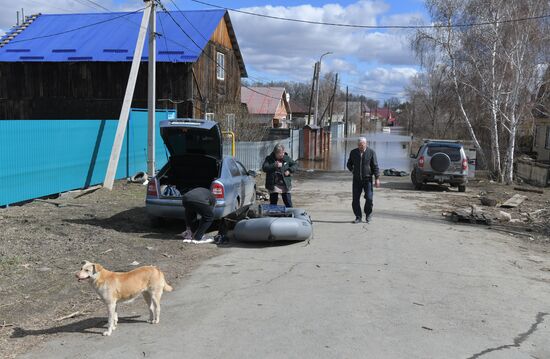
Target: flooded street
point(392, 151)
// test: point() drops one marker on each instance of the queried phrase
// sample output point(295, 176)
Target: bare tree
point(445, 41)
point(492, 66)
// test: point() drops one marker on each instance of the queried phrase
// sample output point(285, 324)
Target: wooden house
point(75, 66)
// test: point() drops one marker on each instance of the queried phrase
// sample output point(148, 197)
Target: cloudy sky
point(376, 63)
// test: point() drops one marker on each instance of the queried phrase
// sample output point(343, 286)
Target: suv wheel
point(461, 188)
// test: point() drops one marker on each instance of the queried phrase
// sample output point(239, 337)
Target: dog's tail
point(167, 287)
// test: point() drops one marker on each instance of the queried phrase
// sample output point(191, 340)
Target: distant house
point(300, 114)
point(383, 114)
point(267, 106)
point(75, 66)
point(354, 112)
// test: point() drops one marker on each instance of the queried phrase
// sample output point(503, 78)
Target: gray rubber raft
point(295, 225)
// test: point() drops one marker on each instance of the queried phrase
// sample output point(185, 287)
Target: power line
point(165, 43)
point(77, 28)
point(51, 6)
point(202, 50)
point(82, 2)
point(96, 4)
point(190, 23)
point(374, 91)
point(202, 35)
point(434, 26)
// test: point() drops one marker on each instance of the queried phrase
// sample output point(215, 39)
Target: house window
point(209, 116)
point(220, 66)
point(547, 143)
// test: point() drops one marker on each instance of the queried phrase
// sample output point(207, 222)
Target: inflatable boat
point(274, 223)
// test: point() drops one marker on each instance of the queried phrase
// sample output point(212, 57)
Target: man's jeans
point(358, 188)
point(287, 199)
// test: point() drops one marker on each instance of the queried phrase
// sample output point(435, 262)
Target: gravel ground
point(42, 244)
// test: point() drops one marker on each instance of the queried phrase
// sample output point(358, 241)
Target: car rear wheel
point(461, 188)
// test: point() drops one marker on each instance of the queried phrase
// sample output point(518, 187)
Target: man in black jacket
point(362, 162)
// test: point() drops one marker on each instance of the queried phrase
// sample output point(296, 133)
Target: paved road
point(408, 285)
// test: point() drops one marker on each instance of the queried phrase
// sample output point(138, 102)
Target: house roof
point(262, 100)
point(111, 37)
point(383, 112)
point(298, 108)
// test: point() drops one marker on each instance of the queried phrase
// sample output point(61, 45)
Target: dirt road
point(411, 284)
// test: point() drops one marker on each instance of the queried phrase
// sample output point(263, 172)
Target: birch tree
point(496, 61)
point(446, 42)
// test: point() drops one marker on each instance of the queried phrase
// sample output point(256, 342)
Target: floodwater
point(392, 150)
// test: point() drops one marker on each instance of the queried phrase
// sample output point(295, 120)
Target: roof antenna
point(22, 16)
point(17, 18)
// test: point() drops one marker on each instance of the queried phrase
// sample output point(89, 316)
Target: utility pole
point(346, 130)
point(317, 97)
point(333, 98)
point(361, 117)
point(311, 96)
point(127, 102)
point(151, 91)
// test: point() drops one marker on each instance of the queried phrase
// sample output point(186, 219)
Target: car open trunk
point(195, 148)
point(188, 172)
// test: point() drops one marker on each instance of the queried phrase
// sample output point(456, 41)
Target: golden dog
point(113, 287)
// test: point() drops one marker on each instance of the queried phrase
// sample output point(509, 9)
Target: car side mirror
point(252, 173)
point(412, 155)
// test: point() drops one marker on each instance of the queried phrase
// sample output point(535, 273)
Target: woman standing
point(278, 167)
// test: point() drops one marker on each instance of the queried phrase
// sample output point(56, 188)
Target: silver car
point(196, 160)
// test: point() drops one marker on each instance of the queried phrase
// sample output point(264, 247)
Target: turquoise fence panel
point(44, 157)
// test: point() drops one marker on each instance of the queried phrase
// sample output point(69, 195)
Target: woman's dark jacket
point(271, 171)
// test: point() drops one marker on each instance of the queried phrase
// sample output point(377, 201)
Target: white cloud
point(391, 81)
point(289, 49)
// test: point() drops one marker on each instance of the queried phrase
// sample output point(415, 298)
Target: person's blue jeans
point(358, 188)
point(287, 199)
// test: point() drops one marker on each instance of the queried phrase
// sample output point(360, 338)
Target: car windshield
point(452, 152)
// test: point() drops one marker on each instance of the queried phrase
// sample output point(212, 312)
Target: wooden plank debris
point(515, 201)
point(525, 189)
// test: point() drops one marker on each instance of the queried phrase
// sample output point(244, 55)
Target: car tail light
point(218, 190)
point(464, 164)
point(421, 161)
point(152, 188)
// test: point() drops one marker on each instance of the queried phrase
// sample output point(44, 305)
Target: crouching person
point(279, 167)
point(198, 201)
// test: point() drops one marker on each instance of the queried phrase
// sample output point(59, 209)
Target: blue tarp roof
point(109, 37)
